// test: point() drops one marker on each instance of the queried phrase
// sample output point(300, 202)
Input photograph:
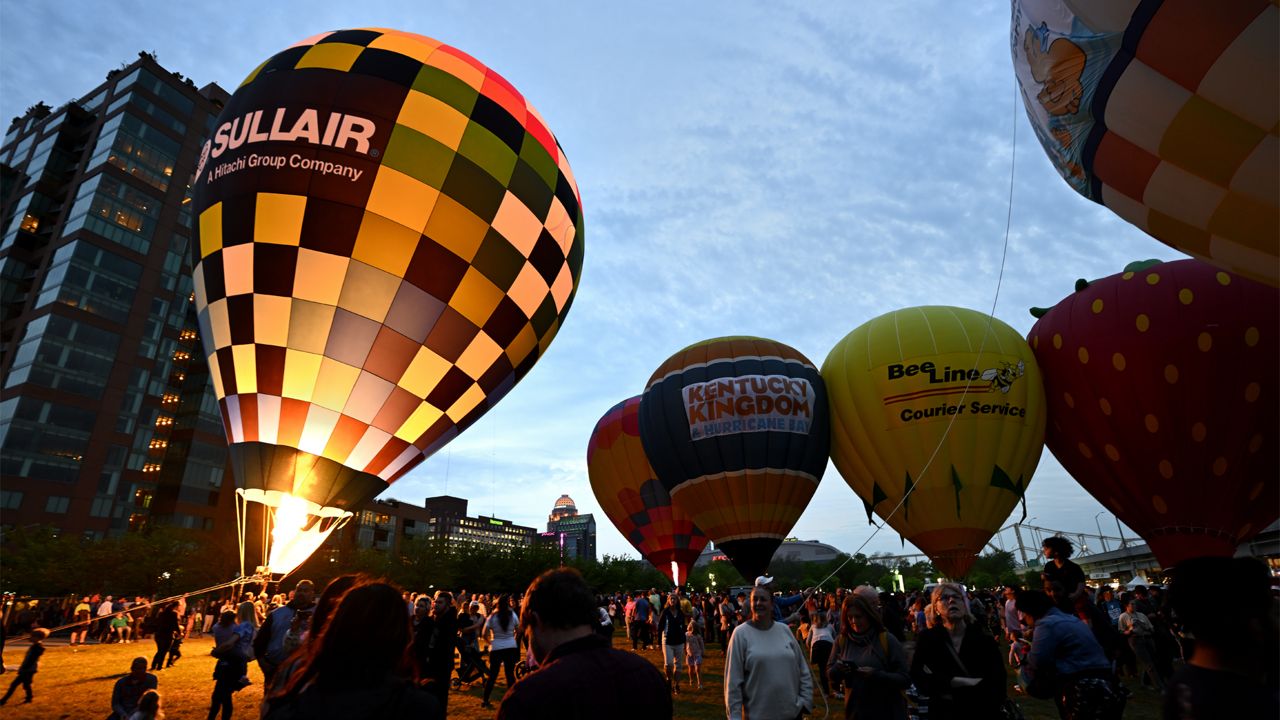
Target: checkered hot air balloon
point(635, 500)
point(736, 428)
point(389, 239)
point(1166, 112)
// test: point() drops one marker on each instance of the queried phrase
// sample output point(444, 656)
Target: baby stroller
point(471, 667)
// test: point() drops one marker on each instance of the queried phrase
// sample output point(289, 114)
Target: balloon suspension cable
point(154, 603)
point(242, 517)
point(1004, 254)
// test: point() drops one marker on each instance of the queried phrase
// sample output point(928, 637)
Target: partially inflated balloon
point(389, 239)
point(1162, 392)
point(736, 429)
point(634, 499)
point(1164, 111)
point(942, 388)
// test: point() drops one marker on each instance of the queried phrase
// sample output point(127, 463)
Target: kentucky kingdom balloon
point(389, 238)
point(736, 429)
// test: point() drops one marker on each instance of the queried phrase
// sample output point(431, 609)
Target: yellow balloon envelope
point(942, 405)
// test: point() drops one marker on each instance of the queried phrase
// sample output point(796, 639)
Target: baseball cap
point(763, 580)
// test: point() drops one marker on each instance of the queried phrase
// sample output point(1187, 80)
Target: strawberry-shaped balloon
point(1162, 391)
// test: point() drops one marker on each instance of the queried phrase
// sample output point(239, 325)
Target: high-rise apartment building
point(107, 417)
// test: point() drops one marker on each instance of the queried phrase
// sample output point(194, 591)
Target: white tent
point(1136, 581)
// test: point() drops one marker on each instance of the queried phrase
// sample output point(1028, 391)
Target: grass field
point(77, 686)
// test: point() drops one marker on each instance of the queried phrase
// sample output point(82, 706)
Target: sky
point(788, 170)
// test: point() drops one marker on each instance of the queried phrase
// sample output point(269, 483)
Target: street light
point(1101, 537)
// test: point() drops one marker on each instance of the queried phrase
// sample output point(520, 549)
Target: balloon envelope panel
point(1166, 113)
point(1162, 393)
point(926, 380)
point(389, 239)
point(637, 503)
point(737, 430)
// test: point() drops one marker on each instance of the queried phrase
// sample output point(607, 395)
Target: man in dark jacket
point(166, 629)
point(579, 675)
point(283, 629)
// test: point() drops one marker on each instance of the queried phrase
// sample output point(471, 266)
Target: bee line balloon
point(942, 388)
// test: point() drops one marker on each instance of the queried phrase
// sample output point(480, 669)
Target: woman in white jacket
point(767, 676)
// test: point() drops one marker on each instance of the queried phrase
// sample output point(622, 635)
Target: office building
point(107, 418)
point(387, 524)
point(573, 533)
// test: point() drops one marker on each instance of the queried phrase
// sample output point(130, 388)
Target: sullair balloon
point(1162, 392)
point(944, 407)
point(635, 500)
point(737, 431)
point(389, 239)
point(1165, 112)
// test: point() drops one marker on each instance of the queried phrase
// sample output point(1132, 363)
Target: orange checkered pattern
point(368, 317)
point(1186, 145)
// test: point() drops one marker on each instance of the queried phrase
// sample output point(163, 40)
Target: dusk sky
point(787, 170)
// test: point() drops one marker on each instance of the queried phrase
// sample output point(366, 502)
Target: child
point(148, 707)
point(30, 664)
point(693, 647)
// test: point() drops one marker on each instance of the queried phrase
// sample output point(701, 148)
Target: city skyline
point(789, 175)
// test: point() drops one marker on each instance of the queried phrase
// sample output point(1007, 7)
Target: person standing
point(442, 642)
point(641, 611)
point(694, 646)
point(822, 637)
point(1063, 579)
point(1137, 631)
point(957, 664)
point(671, 627)
point(166, 630)
point(283, 630)
point(1009, 617)
point(30, 665)
point(502, 626)
point(766, 675)
point(869, 662)
point(579, 676)
point(728, 621)
point(103, 631)
point(83, 614)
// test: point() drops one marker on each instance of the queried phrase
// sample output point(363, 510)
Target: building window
point(101, 507)
point(10, 499)
point(57, 504)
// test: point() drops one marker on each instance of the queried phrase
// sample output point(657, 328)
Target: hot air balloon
point(736, 429)
point(1161, 384)
point(1166, 113)
point(944, 407)
point(389, 239)
point(634, 499)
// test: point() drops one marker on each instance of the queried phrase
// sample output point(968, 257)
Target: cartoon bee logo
point(204, 158)
point(1003, 377)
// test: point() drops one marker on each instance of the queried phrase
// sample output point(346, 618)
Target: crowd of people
point(362, 647)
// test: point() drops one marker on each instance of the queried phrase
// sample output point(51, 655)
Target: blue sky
point(788, 170)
